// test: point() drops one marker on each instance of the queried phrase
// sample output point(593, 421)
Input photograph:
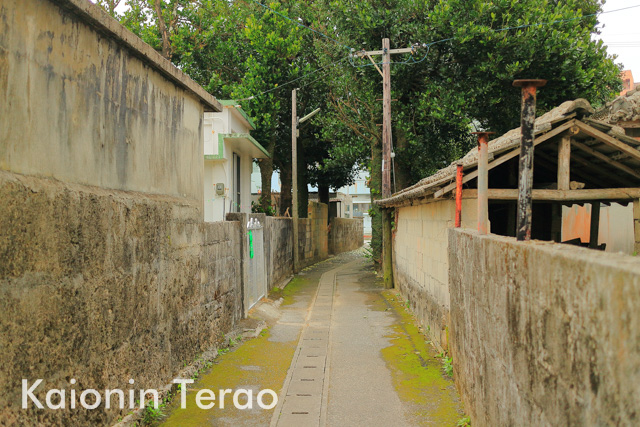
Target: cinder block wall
point(544, 334)
point(279, 250)
point(345, 235)
point(421, 263)
point(103, 286)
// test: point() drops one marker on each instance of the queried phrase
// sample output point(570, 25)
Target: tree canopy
point(459, 79)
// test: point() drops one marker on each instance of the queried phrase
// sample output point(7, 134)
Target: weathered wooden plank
point(564, 162)
point(605, 159)
point(560, 195)
point(609, 140)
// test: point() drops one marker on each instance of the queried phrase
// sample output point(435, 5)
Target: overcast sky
point(621, 33)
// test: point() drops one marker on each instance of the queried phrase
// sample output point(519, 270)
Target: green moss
point(417, 373)
point(269, 361)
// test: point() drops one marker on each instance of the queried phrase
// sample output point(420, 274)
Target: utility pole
point(294, 170)
point(386, 53)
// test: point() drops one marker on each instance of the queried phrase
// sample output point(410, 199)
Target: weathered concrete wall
point(279, 250)
point(103, 286)
point(544, 334)
point(421, 264)
point(313, 239)
point(81, 107)
point(345, 235)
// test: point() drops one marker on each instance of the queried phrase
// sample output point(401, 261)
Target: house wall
point(345, 235)
point(544, 334)
point(80, 107)
point(421, 263)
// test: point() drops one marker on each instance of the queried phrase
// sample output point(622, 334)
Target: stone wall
point(544, 334)
point(279, 250)
point(313, 239)
point(421, 264)
point(345, 235)
point(103, 286)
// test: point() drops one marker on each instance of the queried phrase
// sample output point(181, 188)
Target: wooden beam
point(564, 162)
point(606, 159)
point(609, 140)
point(595, 225)
point(560, 195)
point(510, 155)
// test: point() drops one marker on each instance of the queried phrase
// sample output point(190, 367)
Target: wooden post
point(636, 226)
point(387, 263)
point(564, 162)
point(483, 181)
point(386, 119)
point(595, 225)
point(527, 121)
point(294, 170)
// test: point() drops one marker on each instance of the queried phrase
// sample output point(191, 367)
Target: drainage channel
point(304, 395)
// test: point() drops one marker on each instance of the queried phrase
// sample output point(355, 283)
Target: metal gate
point(256, 288)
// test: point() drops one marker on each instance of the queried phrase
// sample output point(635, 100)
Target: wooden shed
point(578, 160)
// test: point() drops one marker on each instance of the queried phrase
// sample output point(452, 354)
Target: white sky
point(621, 33)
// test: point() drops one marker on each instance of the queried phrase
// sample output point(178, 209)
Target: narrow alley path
point(339, 351)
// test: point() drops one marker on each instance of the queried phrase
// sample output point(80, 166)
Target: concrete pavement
point(340, 351)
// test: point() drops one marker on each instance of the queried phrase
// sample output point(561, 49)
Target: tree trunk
point(401, 169)
point(323, 193)
point(266, 172)
point(285, 191)
point(375, 185)
point(164, 33)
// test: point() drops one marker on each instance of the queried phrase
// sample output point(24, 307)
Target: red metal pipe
point(459, 175)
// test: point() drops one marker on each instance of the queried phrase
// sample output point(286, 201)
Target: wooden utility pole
point(386, 119)
point(386, 52)
point(294, 170)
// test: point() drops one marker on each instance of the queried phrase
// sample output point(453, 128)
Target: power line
point(292, 81)
point(301, 25)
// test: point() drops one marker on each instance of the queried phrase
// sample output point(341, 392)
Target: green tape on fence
point(250, 244)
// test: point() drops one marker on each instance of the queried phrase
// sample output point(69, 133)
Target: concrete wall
point(544, 334)
point(279, 250)
point(313, 240)
point(80, 107)
point(421, 263)
point(345, 235)
point(103, 286)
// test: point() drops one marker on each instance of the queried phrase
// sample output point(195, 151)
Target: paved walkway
point(340, 351)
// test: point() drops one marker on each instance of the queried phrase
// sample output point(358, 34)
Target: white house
point(229, 151)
